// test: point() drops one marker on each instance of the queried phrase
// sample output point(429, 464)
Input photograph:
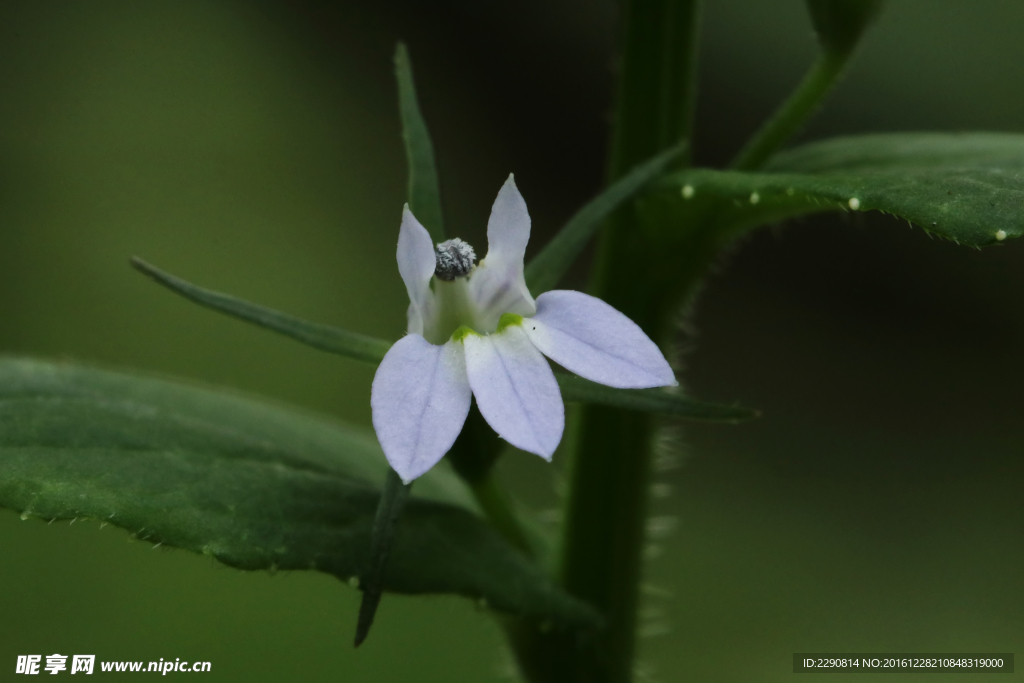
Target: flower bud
point(840, 23)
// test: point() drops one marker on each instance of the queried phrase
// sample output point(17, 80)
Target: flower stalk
point(794, 112)
point(840, 24)
point(500, 512)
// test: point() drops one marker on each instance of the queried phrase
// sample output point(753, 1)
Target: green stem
point(794, 112)
point(607, 504)
point(472, 457)
point(603, 534)
point(657, 81)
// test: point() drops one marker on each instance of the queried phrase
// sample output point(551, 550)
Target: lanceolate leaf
point(323, 337)
point(548, 267)
point(966, 187)
point(648, 400)
point(424, 188)
point(372, 350)
point(251, 484)
point(389, 509)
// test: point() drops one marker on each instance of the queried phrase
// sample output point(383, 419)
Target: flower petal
point(590, 338)
point(515, 390)
point(420, 399)
point(508, 228)
point(416, 263)
point(497, 283)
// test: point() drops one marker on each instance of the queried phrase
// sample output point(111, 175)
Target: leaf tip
point(367, 611)
point(401, 52)
point(144, 267)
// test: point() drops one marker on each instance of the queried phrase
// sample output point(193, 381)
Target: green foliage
point(548, 267)
point(372, 350)
point(965, 187)
point(253, 485)
point(424, 188)
point(657, 91)
point(323, 337)
point(382, 537)
point(261, 487)
point(840, 23)
point(660, 401)
point(794, 112)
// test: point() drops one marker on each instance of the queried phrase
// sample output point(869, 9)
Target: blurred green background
point(253, 147)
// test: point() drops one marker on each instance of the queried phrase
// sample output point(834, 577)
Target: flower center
point(455, 259)
point(453, 307)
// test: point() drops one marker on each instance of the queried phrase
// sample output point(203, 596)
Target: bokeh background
point(253, 147)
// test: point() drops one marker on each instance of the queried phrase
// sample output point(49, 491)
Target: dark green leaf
point(966, 187)
point(648, 400)
point(251, 484)
point(548, 267)
point(424, 188)
point(323, 337)
point(385, 522)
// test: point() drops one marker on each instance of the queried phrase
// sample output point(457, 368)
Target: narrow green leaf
point(255, 486)
point(966, 187)
point(548, 267)
point(372, 350)
point(385, 522)
point(648, 400)
point(323, 337)
point(424, 188)
point(424, 196)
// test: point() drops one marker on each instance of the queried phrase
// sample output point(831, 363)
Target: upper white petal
point(416, 263)
point(508, 229)
point(515, 390)
point(590, 338)
point(420, 399)
point(497, 284)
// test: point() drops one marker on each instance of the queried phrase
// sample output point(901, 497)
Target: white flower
point(482, 334)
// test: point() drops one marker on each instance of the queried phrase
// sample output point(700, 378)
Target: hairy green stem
point(609, 481)
point(603, 533)
point(648, 266)
point(794, 112)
